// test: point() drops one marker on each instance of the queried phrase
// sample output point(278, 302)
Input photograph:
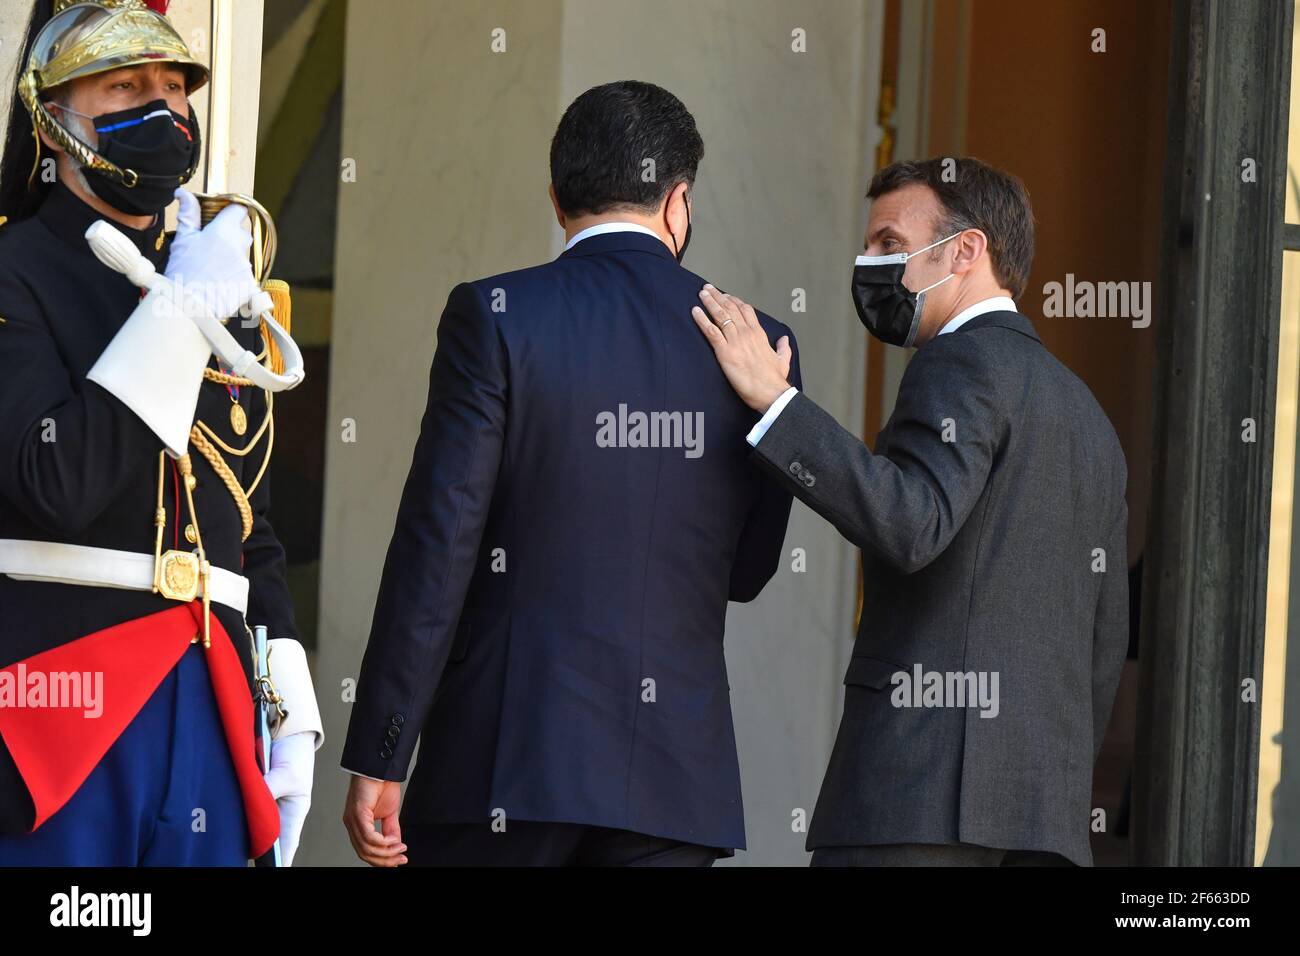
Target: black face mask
point(686, 240)
point(160, 146)
point(886, 307)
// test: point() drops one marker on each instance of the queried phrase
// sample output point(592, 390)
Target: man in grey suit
point(992, 522)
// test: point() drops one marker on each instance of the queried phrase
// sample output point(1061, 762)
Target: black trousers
point(931, 854)
point(532, 843)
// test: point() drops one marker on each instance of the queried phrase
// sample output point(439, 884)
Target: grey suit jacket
point(992, 503)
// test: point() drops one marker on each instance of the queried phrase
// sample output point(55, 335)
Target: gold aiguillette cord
point(205, 569)
point(160, 522)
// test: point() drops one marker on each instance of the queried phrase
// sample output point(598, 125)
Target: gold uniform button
point(190, 534)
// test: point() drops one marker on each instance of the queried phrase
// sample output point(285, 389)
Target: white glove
point(293, 758)
point(292, 678)
point(212, 263)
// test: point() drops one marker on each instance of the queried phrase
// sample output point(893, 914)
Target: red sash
point(55, 748)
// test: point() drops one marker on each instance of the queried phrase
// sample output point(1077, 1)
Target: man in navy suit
point(579, 510)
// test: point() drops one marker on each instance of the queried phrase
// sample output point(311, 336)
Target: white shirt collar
point(603, 227)
point(998, 303)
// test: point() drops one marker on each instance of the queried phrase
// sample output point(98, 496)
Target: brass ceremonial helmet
point(95, 36)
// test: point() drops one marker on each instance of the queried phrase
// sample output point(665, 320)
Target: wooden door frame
point(1206, 569)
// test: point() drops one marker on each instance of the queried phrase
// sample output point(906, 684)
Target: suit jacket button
point(386, 753)
point(808, 479)
point(396, 720)
point(795, 468)
point(393, 732)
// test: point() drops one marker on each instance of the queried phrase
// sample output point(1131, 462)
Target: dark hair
point(604, 140)
point(17, 201)
point(974, 195)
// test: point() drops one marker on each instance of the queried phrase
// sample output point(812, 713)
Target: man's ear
point(971, 244)
point(555, 204)
point(674, 201)
point(682, 189)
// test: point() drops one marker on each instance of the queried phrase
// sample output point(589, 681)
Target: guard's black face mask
point(162, 149)
point(889, 310)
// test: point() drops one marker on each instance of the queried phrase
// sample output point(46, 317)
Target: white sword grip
point(120, 254)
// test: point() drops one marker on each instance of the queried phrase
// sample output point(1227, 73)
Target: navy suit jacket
point(550, 618)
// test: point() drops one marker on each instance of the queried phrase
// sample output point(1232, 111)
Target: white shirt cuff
point(760, 429)
point(366, 775)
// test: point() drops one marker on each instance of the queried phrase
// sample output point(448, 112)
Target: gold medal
point(238, 420)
